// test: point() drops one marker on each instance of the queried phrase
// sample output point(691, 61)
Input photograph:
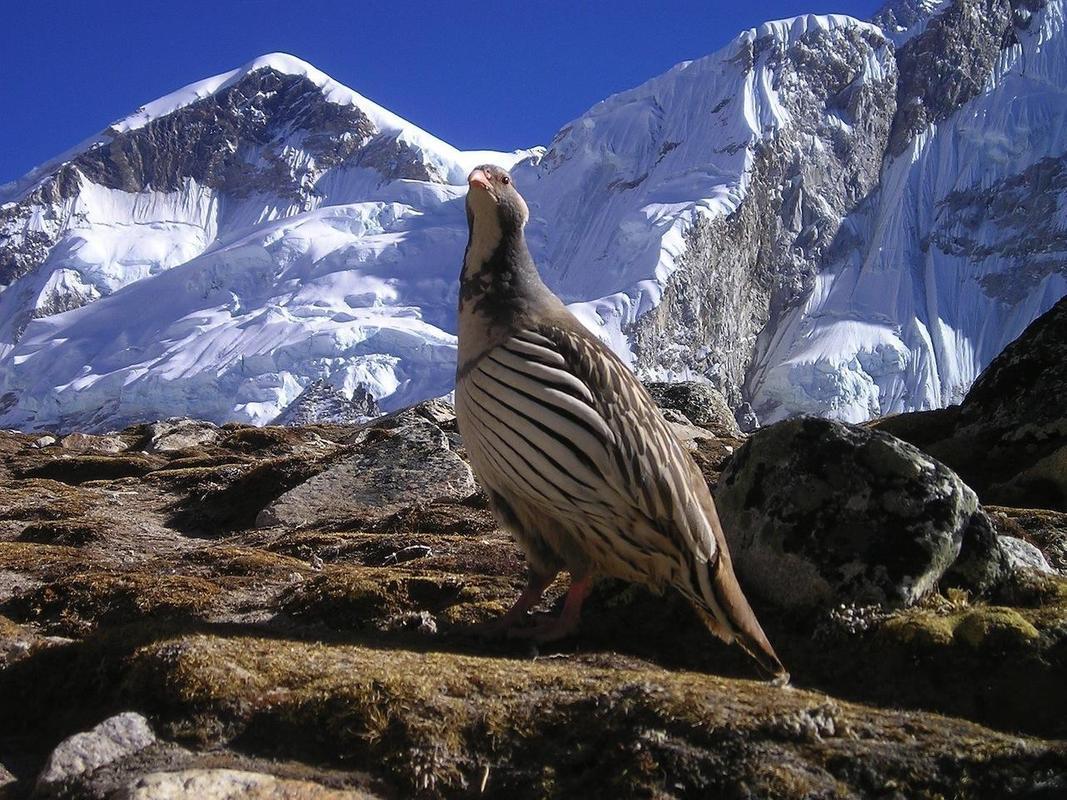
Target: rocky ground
point(195, 611)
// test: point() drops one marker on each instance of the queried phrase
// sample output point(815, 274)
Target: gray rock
point(438, 411)
point(391, 468)
point(6, 777)
point(689, 435)
point(322, 403)
point(819, 513)
point(83, 753)
point(179, 434)
point(231, 784)
point(1023, 556)
point(675, 417)
point(702, 404)
point(88, 443)
point(44, 441)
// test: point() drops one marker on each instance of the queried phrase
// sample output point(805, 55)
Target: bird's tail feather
point(726, 612)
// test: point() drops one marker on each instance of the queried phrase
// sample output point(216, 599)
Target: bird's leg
point(567, 622)
point(531, 595)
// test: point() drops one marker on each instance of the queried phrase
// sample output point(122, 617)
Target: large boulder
point(391, 468)
point(701, 404)
point(1008, 439)
point(818, 513)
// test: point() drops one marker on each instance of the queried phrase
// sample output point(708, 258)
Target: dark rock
point(1008, 439)
point(702, 404)
point(746, 418)
point(818, 513)
point(676, 417)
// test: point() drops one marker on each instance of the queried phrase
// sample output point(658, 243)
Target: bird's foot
point(552, 630)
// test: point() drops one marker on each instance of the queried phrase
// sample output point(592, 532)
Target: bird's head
point(493, 199)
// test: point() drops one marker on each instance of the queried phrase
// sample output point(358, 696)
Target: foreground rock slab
point(231, 784)
point(445, 723)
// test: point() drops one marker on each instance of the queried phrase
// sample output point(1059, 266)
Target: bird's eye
point(505, 180)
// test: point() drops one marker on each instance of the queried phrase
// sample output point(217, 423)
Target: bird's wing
point(589, 436)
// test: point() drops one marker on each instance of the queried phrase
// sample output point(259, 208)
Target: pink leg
point(568, 620)
point(531, 595)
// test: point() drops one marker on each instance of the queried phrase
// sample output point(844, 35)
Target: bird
point(575, 457)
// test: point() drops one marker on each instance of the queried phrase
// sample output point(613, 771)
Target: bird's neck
point(499, 287)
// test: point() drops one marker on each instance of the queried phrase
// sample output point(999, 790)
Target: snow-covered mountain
point(827, 216)
point(227, 245)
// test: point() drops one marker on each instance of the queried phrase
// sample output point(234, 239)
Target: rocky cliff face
point(740, 272)
point(957, 248)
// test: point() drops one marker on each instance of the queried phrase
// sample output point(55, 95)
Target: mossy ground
point(347, 649)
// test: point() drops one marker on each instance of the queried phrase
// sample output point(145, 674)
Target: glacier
point(961, 247)
point(826, 216)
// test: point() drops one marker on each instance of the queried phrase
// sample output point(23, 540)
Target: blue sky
point(478, 74)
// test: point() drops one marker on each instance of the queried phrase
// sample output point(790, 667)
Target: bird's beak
point(480, 179)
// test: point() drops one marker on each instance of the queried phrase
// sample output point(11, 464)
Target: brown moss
point(78, 603)
point(432, 721)
point(78, 469)
point(197, 459)
point(9, 629)
point(244, 562)
point(995, 628)
point(31, 499)
point(72, 532)
point(39, 559)
point(267, 440)
point(355, 598)
point(237, 504)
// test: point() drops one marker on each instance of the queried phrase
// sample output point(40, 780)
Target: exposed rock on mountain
point(321, 402)
point(955, 250)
